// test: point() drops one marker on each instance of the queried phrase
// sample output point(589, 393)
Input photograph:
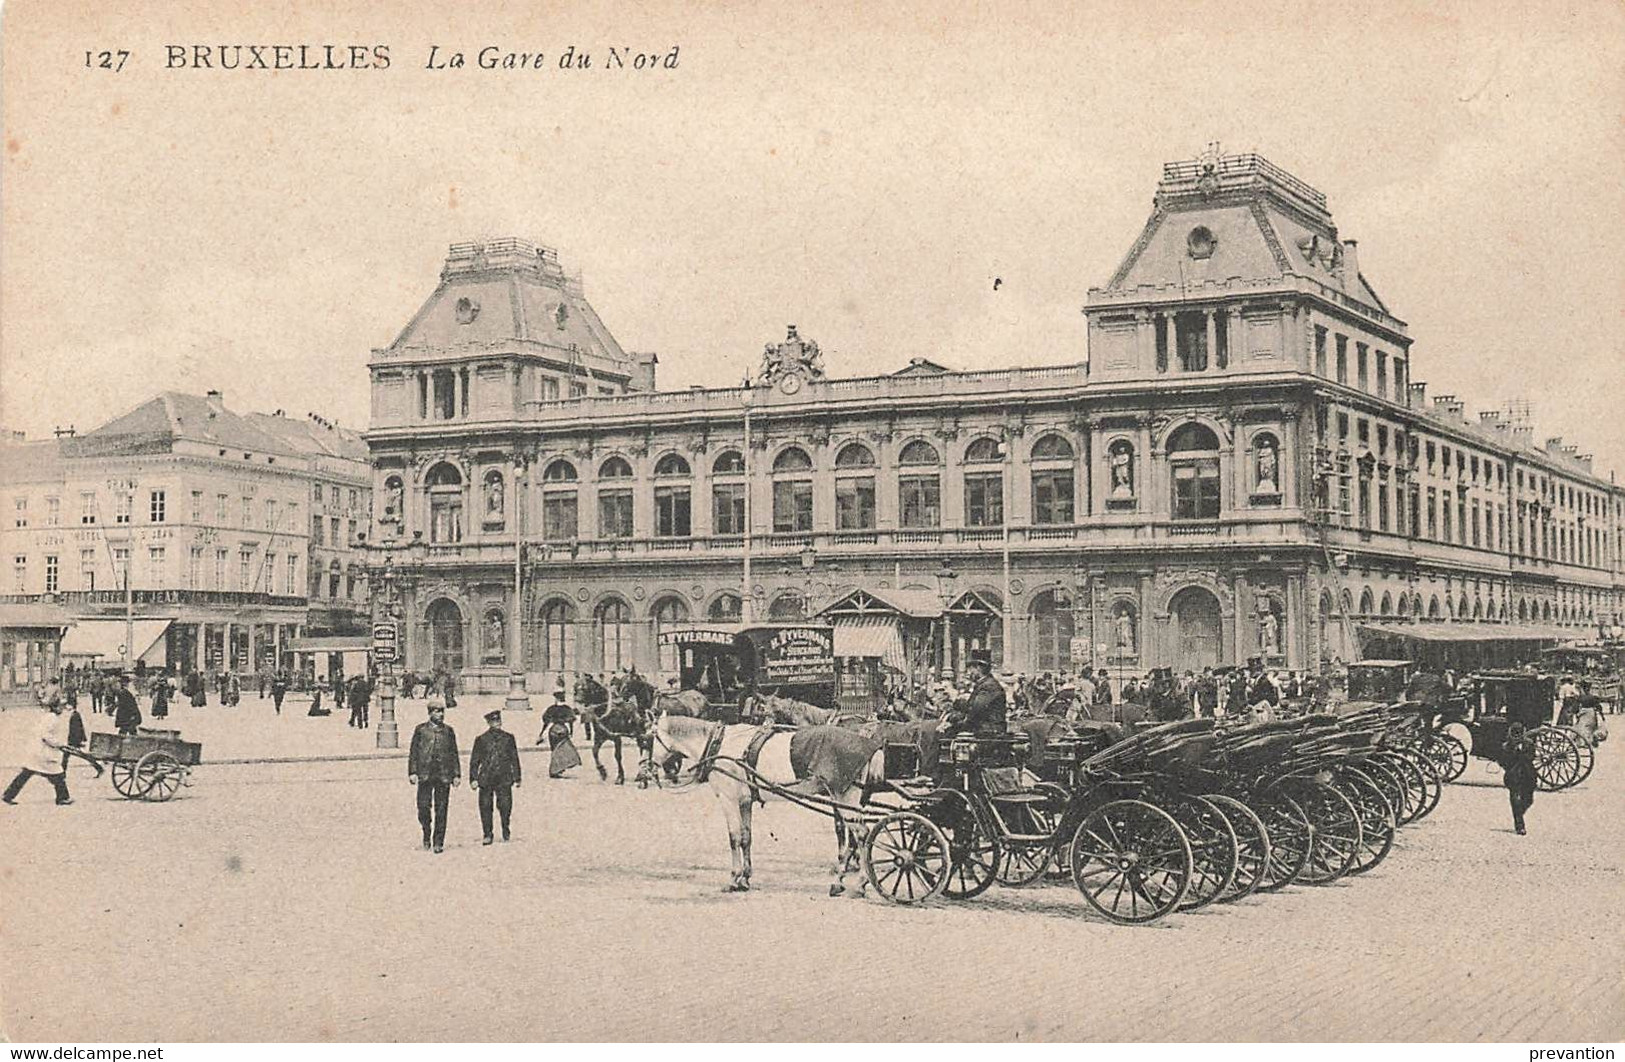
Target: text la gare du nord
point(439, 57)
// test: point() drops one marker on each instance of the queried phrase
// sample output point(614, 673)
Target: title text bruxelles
point(276, 57)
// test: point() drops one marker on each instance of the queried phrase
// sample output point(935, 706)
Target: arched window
point(1366, 603)
point(494, 501)
point(854, 488)
point(726, 608)
point(984, 486)
point(614, 623)
point(445, 621)
point(335, 578)
point(919, 486)
point(854, 455)
point(728, 494)
point(728, 463)
point(445, 487)
point(1433, 608)
point(1266, 467)
point(559, 471)
point(1523, 610)
point(668, 612)
point(1053, 478)
point(672, 498)
point(671, 465)
point(615, 501)
point(787, 606)
point(1387, 606)
point(560, 517)
point(1404, 606)
point(1052, 629)
point(556, 635)
point(793, 459)
point(792, 491)
point(1193, 464)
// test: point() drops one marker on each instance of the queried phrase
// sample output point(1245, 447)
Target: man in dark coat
point(433, 766)
point(493, 770)
point(1207, 694)
point(1518, 764)
point(279, 690)
point(126, 713)
point(360, 694)
point(984, 713)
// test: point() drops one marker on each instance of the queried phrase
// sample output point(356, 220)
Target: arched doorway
point(1197, 628)
point(1052, 630)
point(445, 636)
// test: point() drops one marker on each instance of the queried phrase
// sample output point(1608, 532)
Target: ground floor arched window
point(445, 636)
point(614, 623)
point(1052, 630)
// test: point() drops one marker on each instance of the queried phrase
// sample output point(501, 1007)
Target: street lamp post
point(809, 557)
point(388, 605)
point(945, 590)
point(517, 700)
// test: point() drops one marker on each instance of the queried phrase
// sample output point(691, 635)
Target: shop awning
point(915, 604)
point(338, 643)
point(1469, 632)
point(100, 639)
point(869, 638)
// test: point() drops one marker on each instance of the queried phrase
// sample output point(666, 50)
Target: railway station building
point(1244, 461)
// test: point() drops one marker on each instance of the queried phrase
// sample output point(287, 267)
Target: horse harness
point(747, 759)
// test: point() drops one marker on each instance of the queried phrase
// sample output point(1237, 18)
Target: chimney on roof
point(1351, 259)
point(1524, 435)
point(216, 400)
point(1554, 444)
point(1449, 406)
point(1585, 461)
point(1419, 393)
point(69, 432)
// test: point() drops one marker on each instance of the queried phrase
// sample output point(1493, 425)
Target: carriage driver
point(983, 714)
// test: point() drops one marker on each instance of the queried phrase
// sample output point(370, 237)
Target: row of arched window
point(1494, 610)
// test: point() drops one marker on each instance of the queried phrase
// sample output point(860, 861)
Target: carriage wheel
point(1131, 861)
point(1588, 756)
point(1376, 818)
point(1023, 865)
point(906, 858)
point(1214, 850)
point(124, 778)
point(1416, 790)
point(158, 776)
point(1252, 846)
point(976, 856)
point(1448, 754)
point(1292, 840)
point(1557, 759)
point(1336, 829)
point(1432, 782)
point(1393, 790)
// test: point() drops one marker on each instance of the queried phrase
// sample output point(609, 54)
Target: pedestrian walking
point(556, 729)
point(279, 690)
point(493, 770)
point(126, 713)
point(48, 755)
point(357, 696)
point(1518, 773)
point(160, 697)
point(433, 766)
point(234, 690)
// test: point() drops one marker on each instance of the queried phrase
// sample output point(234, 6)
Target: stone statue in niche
point(1122, 471)
point(1125, 632)
point(495, 634)
point(493, 498)
point(1269, 634)
point(394, 502)
point(1268, 468)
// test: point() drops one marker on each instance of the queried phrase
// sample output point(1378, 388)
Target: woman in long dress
point(556, 728)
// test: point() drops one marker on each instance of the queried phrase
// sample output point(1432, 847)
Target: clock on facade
point(790, 383)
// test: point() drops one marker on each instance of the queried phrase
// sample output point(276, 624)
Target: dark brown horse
point(611, 717)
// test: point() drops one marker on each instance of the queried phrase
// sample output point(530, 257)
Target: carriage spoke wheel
point(124, 778)
point(1292, 840)
point(1416, 790)
point(1023, 865)
point(1432, 782)
point(1214, 850)
point(158, 776)
point(1131, 861)
point(1336, 829)
point(1252, 846)
point(1393, 790)
point(976, 857)
point(1557, 759)
point(1448, 754)
point(1376, 818)
point(1588, 756)
point(906, 858)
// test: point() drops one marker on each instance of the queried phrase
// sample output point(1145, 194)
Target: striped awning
point(869, 638)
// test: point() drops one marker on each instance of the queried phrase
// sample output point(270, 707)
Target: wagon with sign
point(149, 765)
point(734, 667)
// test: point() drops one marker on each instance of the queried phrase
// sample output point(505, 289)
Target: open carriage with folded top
point(149, 765)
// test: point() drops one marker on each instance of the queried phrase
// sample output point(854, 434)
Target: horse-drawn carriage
point(734, 669)
point(148, 765)
point(1476, 724)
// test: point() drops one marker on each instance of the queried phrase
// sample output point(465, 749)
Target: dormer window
point(1201, 242)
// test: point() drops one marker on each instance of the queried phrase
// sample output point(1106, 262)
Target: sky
point(862, 174)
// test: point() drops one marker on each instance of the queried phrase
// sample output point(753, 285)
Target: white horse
point(721, 747)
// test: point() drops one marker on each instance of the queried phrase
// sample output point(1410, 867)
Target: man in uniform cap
point(493, 770)
point(984, 714)
point(433, 767)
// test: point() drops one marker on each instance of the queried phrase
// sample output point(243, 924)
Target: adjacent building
point(1245, 465)
point(213, 515)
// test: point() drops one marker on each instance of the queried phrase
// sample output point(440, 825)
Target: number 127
point(113, 61)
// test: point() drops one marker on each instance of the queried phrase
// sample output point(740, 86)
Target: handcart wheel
point(1376, 817)
point(124, 778)
point(1448, 754)
point(158, 776)
point(1214, 850)
point(1252, 846)
point(1557, 759)
point(976, 855)
point(1292, 839)
point(1131, 861)
point(906, 858)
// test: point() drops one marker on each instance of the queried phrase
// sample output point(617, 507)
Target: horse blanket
point(925, 736)
point(833, 758)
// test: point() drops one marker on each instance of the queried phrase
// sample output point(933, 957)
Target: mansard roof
point(1239, 216)
point(159, 422)
point(497, 293)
